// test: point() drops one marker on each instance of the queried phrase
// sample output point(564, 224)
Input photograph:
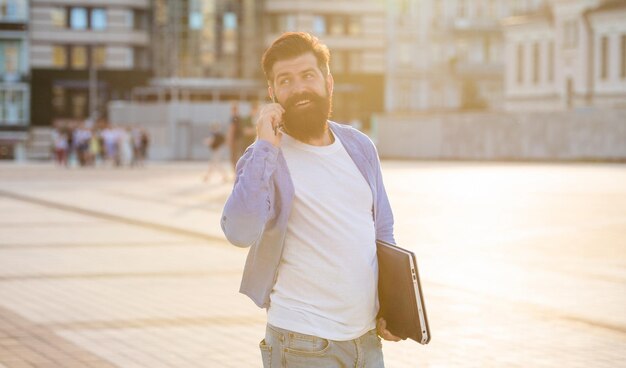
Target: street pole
point(93, 90)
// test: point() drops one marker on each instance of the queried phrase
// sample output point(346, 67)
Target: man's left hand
point(381, 329)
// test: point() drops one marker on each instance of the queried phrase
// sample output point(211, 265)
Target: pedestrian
point(235, 135)
point(310, 203)
point(144, 144)
point(60, 141)
point(217, 147)
point(125, 144)
point(81, 138)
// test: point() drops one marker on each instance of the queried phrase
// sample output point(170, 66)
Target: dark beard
point(308, 122)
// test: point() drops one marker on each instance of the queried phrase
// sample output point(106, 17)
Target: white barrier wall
point(177, 129)
point(575, 135)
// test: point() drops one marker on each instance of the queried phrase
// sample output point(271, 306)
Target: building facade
point(14, 74)
point(572, 55)
point(447, 55)
point(85, 53)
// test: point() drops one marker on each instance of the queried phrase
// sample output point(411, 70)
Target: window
point(229, 33)
point(486, 49)
point(337, 25)
point(520, 63)
point(570, 34)
point(79, 57)
point(354, 25)
point(551, 61)
point(319, 25)
point(59, 17)
point(59, 56)
point(140, 58)
point(623, 64)
point(11, 56)
point(536, 63)
point(140, 20)
point(98, 56)
point(13, 10)
point(98, 19)
point(604, 57)
point(405, 54)
point(78, 18)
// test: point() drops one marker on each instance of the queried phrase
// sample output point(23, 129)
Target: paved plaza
point(523, 265)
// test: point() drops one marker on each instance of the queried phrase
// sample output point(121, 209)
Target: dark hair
point(293, 44)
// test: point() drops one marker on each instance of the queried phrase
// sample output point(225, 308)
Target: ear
point(330, 83)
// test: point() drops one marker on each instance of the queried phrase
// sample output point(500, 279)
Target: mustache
point(291, 101)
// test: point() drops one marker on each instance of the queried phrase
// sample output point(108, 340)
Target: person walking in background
point(125, 146)
point(110, 139)
point(235, 135)
point(82, 135)
point(60, 142)
point(310, 202)
point(144, 144)
point(95, 149)
point(216, 144)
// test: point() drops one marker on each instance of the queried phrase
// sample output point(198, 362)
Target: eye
point(283, 81)
point(308, 75)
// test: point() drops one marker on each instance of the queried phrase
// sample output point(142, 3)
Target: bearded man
point(310, 203)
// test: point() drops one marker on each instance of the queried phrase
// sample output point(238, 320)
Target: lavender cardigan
point(256, 213)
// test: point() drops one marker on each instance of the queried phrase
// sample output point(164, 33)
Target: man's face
point(301, 88)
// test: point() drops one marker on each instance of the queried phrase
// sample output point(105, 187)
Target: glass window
point(229, 41)
point(536, 62)
point(604, 57)
point(79, 57)
point(78, 18)
point(11, 56)
point(623, 64)
point(98, 19)
point(551, 61)
point(140, 20)
point(98, 55)
point(59, 17)
point(520, 63)
point(289, 23)
point(319, 25)
point(59, 56)
point(13, 9)
point(337, 25)
point(354, 25)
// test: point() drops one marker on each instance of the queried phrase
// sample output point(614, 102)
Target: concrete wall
point(177, 129)
point(580, 135)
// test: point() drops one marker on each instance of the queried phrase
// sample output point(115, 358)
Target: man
point(235, 135)
point(310, 202)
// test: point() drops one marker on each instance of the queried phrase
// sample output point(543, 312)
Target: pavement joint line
point(140, 323)
point(118, 275)
point(13, 246)
point(111, 217)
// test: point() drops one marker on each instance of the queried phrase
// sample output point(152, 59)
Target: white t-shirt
point(328, 276)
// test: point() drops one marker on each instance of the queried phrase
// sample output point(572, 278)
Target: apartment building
point(354, 30)
point(572, 55)
point(14, 73)
point(447, 55)
point(85, 53)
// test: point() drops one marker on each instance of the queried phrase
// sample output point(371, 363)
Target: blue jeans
point(287, 349)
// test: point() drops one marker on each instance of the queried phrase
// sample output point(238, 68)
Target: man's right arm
point(249, 206)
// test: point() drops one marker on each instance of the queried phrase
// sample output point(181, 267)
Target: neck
point(326, 139)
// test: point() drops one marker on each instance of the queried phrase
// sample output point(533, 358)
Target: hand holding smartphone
point(269, 123)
